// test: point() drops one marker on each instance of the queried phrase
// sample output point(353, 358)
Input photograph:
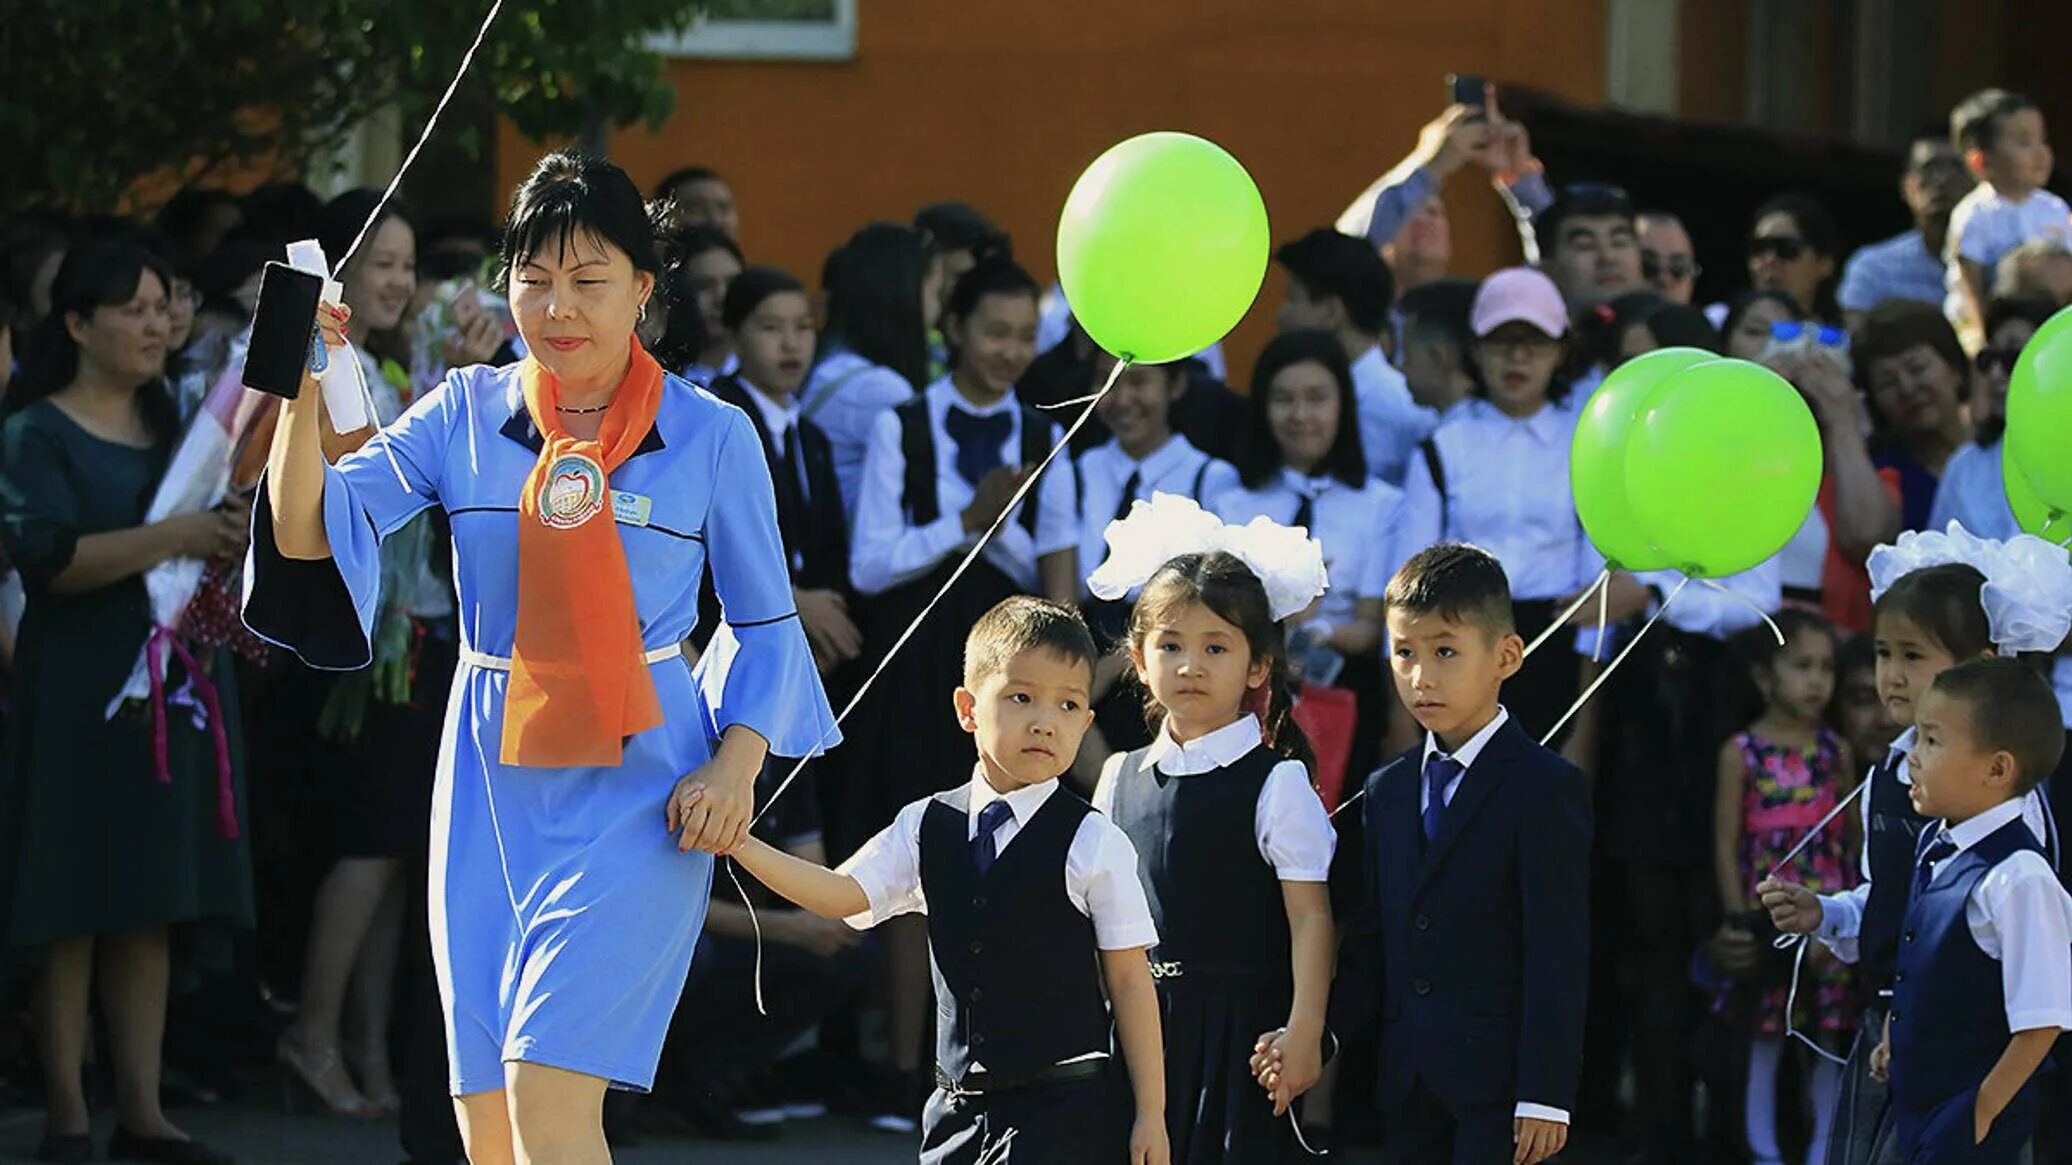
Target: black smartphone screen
point(281, 330)
point(1466, 89)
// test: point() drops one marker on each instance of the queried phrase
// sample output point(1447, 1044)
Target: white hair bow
point(1289, 563)
point(2028, 590)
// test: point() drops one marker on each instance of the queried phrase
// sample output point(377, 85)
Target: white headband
point(1289, 563)
point(2028, 591)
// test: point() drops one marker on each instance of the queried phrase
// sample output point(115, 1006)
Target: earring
point(643, 311)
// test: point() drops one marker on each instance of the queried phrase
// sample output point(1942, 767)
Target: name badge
point(631, 509)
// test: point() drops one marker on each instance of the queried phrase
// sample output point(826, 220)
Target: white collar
point(1544, 426)
point(778, 416)
point(946, 393)
point(1210, 751)
point(1023, 802)
point(1370, 363)
point(1304, 486)
point(1983, 826)
point(1902, 745)
point(1476, 743)
point(1158, 463)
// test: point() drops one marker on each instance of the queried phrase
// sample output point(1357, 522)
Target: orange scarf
point(579, 683)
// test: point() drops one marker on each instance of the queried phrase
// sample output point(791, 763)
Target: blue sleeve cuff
point(761, 675)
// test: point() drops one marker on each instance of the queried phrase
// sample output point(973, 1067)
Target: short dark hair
point(570, 192)
point(1943, 601)
point(2034, 309)
point(750, 288)
point(1679, 325)
point(1580, 200)
point(1440, 309)
point(1457, 582)
point(342, 219)
point(2012, 709)
point(1258, 456)
point(1975, 123)
point(960, 226)
point(1816, 223)
point(1329, 263)
point(666, 188)
point(994, 275)
point(1025, 623)
point(682, 244)
point(1898, 326)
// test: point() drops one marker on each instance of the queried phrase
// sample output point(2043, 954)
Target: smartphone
point(1466, 89)
point(283, 328)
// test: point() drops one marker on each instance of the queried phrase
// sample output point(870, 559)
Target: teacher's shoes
point(66, 1149)
point(127, 1146)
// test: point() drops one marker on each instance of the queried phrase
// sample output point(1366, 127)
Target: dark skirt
point(1216, 1113)
point(904, 742)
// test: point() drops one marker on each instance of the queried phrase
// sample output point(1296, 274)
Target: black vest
point(1891, 840)
point(917, 445)
point(1217, 903)
point(1949, 1010)
point(1017, 970)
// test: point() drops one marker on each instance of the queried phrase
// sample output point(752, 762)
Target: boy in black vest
point(1983, 984)
point(1473, 944)
point(1034, 910)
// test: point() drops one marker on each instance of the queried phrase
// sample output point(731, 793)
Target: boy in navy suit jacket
point(1474, 940)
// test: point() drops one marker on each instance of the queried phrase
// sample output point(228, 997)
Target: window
point(768, 30)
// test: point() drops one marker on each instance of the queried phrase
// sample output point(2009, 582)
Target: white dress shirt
point(1507, 491)
point(1391, 421)
point(885, 551)
point(1356, 527)
point(1970, 491)
point(1985, 226)
point(1841, 915)
point(1100, 866)
point(1289, 824)
point(1465, 756)
point(1172, 468)
point(2019, 914)
point(844, 395)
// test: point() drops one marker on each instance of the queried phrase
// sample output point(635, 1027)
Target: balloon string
point(1613, 666)
point(1864, 788)
point(1561, 620)
point(1746, 602)
point(1604, 610)
point(970, 557)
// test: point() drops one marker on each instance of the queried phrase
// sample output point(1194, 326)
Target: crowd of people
point(233, 872)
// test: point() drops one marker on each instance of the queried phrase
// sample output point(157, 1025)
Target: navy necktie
point(1306, 513)
point(978, 440)
point(1439, 772)
point(985, 850)
point(1924, 871)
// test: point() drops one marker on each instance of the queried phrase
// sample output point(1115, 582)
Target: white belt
point(472, 658)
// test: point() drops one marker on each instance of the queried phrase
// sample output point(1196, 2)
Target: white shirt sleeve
point(2019, 914)
point(1057, 516)
point(1101, 880)
point(886, 551)
point(1417, 520)
point(1293, 831)
point(1540, 1112)
point(1381, 564)
point(1841, 920)
point(888, 867)
point(1218, 479)
point(1104, 788)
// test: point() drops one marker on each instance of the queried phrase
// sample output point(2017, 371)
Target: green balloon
point(1597, 457)
point(1722, 466)
point(2039, 411)
point(2031, 513)
point(1162, 247)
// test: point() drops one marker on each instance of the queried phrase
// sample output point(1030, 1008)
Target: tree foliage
point(99, 94)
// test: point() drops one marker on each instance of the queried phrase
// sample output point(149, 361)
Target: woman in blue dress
point(582, 758)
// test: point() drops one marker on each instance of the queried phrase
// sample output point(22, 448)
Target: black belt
point(975, 1083)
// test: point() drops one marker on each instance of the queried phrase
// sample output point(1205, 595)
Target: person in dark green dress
point(106, 851)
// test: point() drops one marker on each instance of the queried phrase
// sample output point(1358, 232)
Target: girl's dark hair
point(750, 288)
point(1739, 306)
point(1756, 649)
point(1679, 325)
point(1602, 328)
point(570, 193)
point(96, 274)
point(994, 275)
point(1258, 455)
point(1943, 601)
point(1226, 586)
point(873, 285)
point(683, 244)
point(337, 226)
point(683, 332)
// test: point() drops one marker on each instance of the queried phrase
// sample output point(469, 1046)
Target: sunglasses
point(1997, 361)
point(1680, 268)
point(1784, 247)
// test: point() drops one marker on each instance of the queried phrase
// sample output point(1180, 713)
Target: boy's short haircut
point(2011, 708)
point(1025, 623)
point(1975, 123)
point(1345, 268)
point(1457, 582)
point(1438, 311)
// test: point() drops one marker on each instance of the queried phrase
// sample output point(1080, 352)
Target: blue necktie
point(978, 441)
point(984, 849)
point(1924, 871)
point(1439, 772)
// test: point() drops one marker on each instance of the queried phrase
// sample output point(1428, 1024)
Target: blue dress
point(562, 916)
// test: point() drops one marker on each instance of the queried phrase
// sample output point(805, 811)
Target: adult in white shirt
point(1337, 284)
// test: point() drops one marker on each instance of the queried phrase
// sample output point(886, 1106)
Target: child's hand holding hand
point(1793, 908)
point(1881, 1056)
point(1287, 1064)
point(1536, 1140)
point(1148, 1144)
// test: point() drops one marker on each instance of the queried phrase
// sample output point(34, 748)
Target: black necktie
point(978, 441)
point(1129, 495)
point(791, 503)
point(1306, 513)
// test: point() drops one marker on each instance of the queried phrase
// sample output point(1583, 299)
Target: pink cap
point(1518, 294)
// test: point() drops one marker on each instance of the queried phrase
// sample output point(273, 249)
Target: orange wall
point(1003, 104)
